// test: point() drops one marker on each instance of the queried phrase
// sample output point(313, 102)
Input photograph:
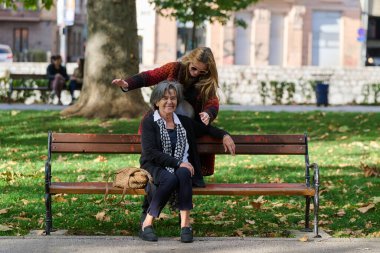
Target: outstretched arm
point(147, 78)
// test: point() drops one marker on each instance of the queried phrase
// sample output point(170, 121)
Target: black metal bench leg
point(49, 217)
point(307, 215)
point(316, 207)
point(316, 200)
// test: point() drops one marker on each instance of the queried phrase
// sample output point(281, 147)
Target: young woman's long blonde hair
point(208, 83)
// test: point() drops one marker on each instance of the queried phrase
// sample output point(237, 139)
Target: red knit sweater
point(175, 71)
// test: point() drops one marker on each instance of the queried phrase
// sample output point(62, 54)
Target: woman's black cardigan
point(153, 159)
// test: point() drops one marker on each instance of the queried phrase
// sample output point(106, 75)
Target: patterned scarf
point(179, 150)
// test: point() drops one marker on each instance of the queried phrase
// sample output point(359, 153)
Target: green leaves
point(199, 11)
point(28, 4)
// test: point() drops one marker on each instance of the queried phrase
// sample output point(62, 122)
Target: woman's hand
point(188, 166)
point(229, 144)
point(121, 83)
point(205, 118)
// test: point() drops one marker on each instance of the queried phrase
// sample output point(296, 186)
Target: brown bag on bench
point(129, 178)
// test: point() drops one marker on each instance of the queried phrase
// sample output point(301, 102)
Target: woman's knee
point(168, 179)
point(183, 173)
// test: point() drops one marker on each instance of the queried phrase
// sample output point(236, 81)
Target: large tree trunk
point(111, 52)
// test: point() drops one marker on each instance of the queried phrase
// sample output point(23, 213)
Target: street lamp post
point(364, 21)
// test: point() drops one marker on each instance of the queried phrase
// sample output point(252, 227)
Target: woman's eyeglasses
point(201, 72)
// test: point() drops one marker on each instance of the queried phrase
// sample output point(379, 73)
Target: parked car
point(6, 54)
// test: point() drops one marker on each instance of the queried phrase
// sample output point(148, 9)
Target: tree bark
point(111, 52)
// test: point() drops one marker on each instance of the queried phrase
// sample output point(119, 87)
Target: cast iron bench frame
point(272, 144)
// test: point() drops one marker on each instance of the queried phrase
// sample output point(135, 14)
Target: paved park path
point(128, 244)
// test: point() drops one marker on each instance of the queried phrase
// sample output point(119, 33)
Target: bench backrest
point(280, 144)
point(28, 76)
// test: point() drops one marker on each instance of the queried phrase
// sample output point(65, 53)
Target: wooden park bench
point(277, 144)
point(19, 82)
point(28, 82)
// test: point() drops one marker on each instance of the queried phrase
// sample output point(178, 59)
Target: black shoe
point(186, 234)
point(199, 183)
point(148, 234)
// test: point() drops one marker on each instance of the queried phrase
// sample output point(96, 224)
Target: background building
point(35, 35)
point(289, 33)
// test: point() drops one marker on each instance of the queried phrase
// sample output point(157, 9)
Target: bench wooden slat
point(210, 189)
point(204, 148)
point(27, 76)
point(95, 138)
point(95, 148)
point(259, 139)
point(30, 88)
point(135, 138)
point(246, 149)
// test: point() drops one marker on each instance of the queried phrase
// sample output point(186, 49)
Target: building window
point(20, 40)
point(184, 38)
point(326, 26)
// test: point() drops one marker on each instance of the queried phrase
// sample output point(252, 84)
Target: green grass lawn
point(345, 145)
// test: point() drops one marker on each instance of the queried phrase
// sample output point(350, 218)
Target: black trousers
point(160, 192)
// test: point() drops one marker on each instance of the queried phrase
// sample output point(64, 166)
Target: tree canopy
point(199, 11)
point(29, 4)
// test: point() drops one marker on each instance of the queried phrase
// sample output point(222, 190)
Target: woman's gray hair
point(159, 92)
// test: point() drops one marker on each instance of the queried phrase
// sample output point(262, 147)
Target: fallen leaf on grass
point(239, 232)
point(252, 222)
point(365, 209)
point(370, 171)
point(22, 218)
point(25, 202)
point(81, 178)
point(2, 211)
point(163, 216)
point(105, 124)
point(324, 222)
point(100, 159)
point(125, 232)
point(341, 213)
point(368, 225)
point(304, 238)
point(59, 198)
point(4, 228)
point(374, 144)
point(343, 129)
point(257, 203)
point(40, 232)
point(101, 216)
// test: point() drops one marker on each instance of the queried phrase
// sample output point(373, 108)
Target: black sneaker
point(186, 234)
point(148, 234)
